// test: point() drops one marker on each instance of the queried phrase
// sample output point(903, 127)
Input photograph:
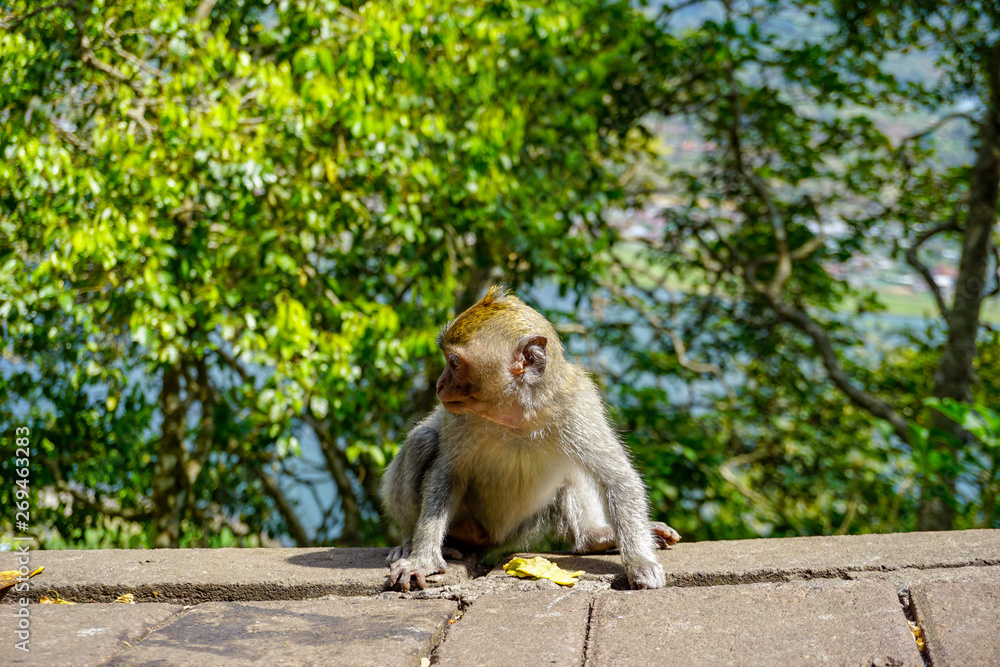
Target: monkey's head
point(499, 355)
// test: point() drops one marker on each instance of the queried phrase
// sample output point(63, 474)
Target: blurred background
point(230, 231)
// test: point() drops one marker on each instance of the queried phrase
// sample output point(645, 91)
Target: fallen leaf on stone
point(918, 634)
point(8, 578)
point(540, 568)
point(126, 598)
point(53, 600)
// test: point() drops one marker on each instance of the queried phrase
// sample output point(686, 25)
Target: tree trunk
point(337, 466)
point(954, 375)
point(168, 480)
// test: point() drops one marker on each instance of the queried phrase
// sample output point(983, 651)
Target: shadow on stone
point(373, 561)
point(341, 559)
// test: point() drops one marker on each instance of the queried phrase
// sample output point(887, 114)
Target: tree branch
point(783, 258)
point(338, 470)
point(95, 503)
point(204, 9)
point(233, 364)
point(658, 325)
point(936, 126)
point(861, 398)
point(996, 273)
point(913, 260)
point(285, 508)
point(728, 472)
point(138, 62)
point(9, 22)
point(800, 253)
point(75, 141)
point(89, 58)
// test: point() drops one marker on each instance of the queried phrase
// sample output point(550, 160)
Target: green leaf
point(320, 406)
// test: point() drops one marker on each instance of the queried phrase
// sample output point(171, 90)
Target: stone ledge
point(344, 631)
point(961, 622)
point(798, 558)
point(819, 600)
point(191, 576)
point(823, 621)
point(82, 634)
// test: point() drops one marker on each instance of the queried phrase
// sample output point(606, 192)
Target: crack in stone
point(782, 576)
point(909, 611)
point(439, 638)
point(590, 627)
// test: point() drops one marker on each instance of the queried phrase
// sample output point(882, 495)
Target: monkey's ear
point(529, 359)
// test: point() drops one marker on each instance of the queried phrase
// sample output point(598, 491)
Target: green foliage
point(978, 420)
point(975, 463)
point(758, 348)
point(227, 243)
point(227, 235)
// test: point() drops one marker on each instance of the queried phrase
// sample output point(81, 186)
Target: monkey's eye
point(453, 361)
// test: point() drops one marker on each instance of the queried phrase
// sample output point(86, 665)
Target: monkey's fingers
point(664, 535)
point(397, 553)
point(403, 579)
point(646, 576)
point(400, 573)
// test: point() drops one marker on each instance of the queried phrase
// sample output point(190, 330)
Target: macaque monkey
point(521, 445)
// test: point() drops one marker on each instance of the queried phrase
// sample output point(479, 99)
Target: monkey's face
point(488, 379)
point(468, 382)
point(472, 381)
point(456, 387)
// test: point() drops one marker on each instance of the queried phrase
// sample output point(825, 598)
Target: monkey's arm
point(440, 493)
point(628, 508)
point(403, 480)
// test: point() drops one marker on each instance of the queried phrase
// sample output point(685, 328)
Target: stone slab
point(961, 622)
point(543, 628)
point(792, 558)
point(821, 622)
point(344, 631)
point(905, 579)
point(82, 634)
point(192, 576)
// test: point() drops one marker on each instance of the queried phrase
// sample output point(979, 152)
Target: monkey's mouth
point(454, 406)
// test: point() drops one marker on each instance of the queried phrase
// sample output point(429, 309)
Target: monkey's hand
point(405, 569)
point(397, 553)
point(647, 574)
point(664, 535)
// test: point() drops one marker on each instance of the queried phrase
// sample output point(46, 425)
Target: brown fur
point(498, 313)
